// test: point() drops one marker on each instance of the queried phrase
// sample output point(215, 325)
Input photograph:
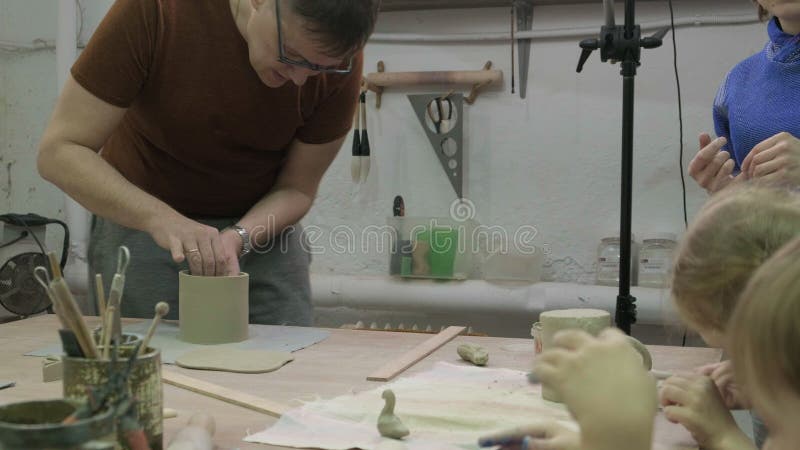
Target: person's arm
point(294, 191)
point(68, 157)
point(714, 167)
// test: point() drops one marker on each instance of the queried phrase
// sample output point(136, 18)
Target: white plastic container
point(608, 260)
point(655, 259)
point(513, 265)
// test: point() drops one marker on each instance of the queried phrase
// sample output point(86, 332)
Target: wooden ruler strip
point(224, 394)
point(394, 368)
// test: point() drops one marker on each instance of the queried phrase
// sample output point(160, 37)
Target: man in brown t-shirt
point(216, 119)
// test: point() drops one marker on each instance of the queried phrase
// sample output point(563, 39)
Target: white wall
point(550, 161)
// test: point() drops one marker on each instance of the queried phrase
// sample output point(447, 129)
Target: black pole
point(623, 44)
point(626, 309)
point(626, 314)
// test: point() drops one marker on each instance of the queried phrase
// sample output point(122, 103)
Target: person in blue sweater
point(756, 113)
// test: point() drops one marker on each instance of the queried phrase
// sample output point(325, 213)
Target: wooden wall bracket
point(478, 79)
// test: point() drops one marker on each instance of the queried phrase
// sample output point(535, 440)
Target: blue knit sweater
point(760, 97)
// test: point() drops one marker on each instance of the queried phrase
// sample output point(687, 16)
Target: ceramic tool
point(364, 153)
point(355, 164)
point(162, 309)
point(101, 295)
point(108, 324)
point(69, 309)
point(42, 276)
point(115, 294)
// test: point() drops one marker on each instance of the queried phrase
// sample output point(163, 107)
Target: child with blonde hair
point(734, 234)
point(765, 346)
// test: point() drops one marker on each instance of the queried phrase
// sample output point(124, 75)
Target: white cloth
point(448, 407)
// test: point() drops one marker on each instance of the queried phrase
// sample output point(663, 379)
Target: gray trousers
point(280, 292)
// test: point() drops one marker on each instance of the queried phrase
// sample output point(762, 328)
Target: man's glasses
point(305, 64)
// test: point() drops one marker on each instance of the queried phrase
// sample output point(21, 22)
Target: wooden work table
point(331, 368)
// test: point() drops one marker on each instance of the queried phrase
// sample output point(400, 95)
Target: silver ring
point(194, 250)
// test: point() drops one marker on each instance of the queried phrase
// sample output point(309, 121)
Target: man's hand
point(605, 386)
point(209, 253)
point(722, 374)
point(694, 402)
point(712, 167)
point(775, 159)
point(544, 434)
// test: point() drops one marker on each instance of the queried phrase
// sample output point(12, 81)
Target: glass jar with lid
point(608, 260)
point(655, 259)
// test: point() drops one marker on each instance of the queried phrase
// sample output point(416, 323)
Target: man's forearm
point(95, 184)
point(275, 212)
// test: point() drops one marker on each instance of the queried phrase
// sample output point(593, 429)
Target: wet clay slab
point(234, 360)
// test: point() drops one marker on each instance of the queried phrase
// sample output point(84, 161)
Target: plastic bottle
point(655, 259)
point(608, 260)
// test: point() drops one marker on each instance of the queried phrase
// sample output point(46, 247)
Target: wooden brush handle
point(74, 318)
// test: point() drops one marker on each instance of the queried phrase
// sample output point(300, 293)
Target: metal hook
point(123, 259)
point(44, 280)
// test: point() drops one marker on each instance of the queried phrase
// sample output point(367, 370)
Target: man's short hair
point(343, 26)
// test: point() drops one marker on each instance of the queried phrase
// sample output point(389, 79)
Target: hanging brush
point(355, 164)
point(365, 150)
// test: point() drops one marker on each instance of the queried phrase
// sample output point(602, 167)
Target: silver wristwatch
point(245, 235)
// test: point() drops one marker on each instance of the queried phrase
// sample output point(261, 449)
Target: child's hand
point(722, 374)
point(543, 434)
point(694, 402)
point(775, 159)
point(712, 167)
point(605, 386)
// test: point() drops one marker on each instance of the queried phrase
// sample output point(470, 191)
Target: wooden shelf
point(404, 5)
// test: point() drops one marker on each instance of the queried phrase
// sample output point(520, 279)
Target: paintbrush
point(69, 309)
point(355, 164)
point(365, 150)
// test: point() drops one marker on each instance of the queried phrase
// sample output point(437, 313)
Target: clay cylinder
point(144, 384)
point(593, 321)
point(213, 310)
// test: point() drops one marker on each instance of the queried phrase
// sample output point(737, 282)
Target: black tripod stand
point(623, 44)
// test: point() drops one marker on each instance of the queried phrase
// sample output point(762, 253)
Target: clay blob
point(473, 353)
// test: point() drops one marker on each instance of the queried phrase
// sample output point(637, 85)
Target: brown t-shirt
point(202, 132)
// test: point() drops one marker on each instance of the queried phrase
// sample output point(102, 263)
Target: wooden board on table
point(218, 392)
point(396, 367)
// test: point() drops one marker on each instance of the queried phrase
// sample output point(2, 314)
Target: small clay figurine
point(473, 353)
point(390, 425)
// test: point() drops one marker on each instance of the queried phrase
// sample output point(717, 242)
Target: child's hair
point(766, 338)
point(735, 232)
point(763, 14)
